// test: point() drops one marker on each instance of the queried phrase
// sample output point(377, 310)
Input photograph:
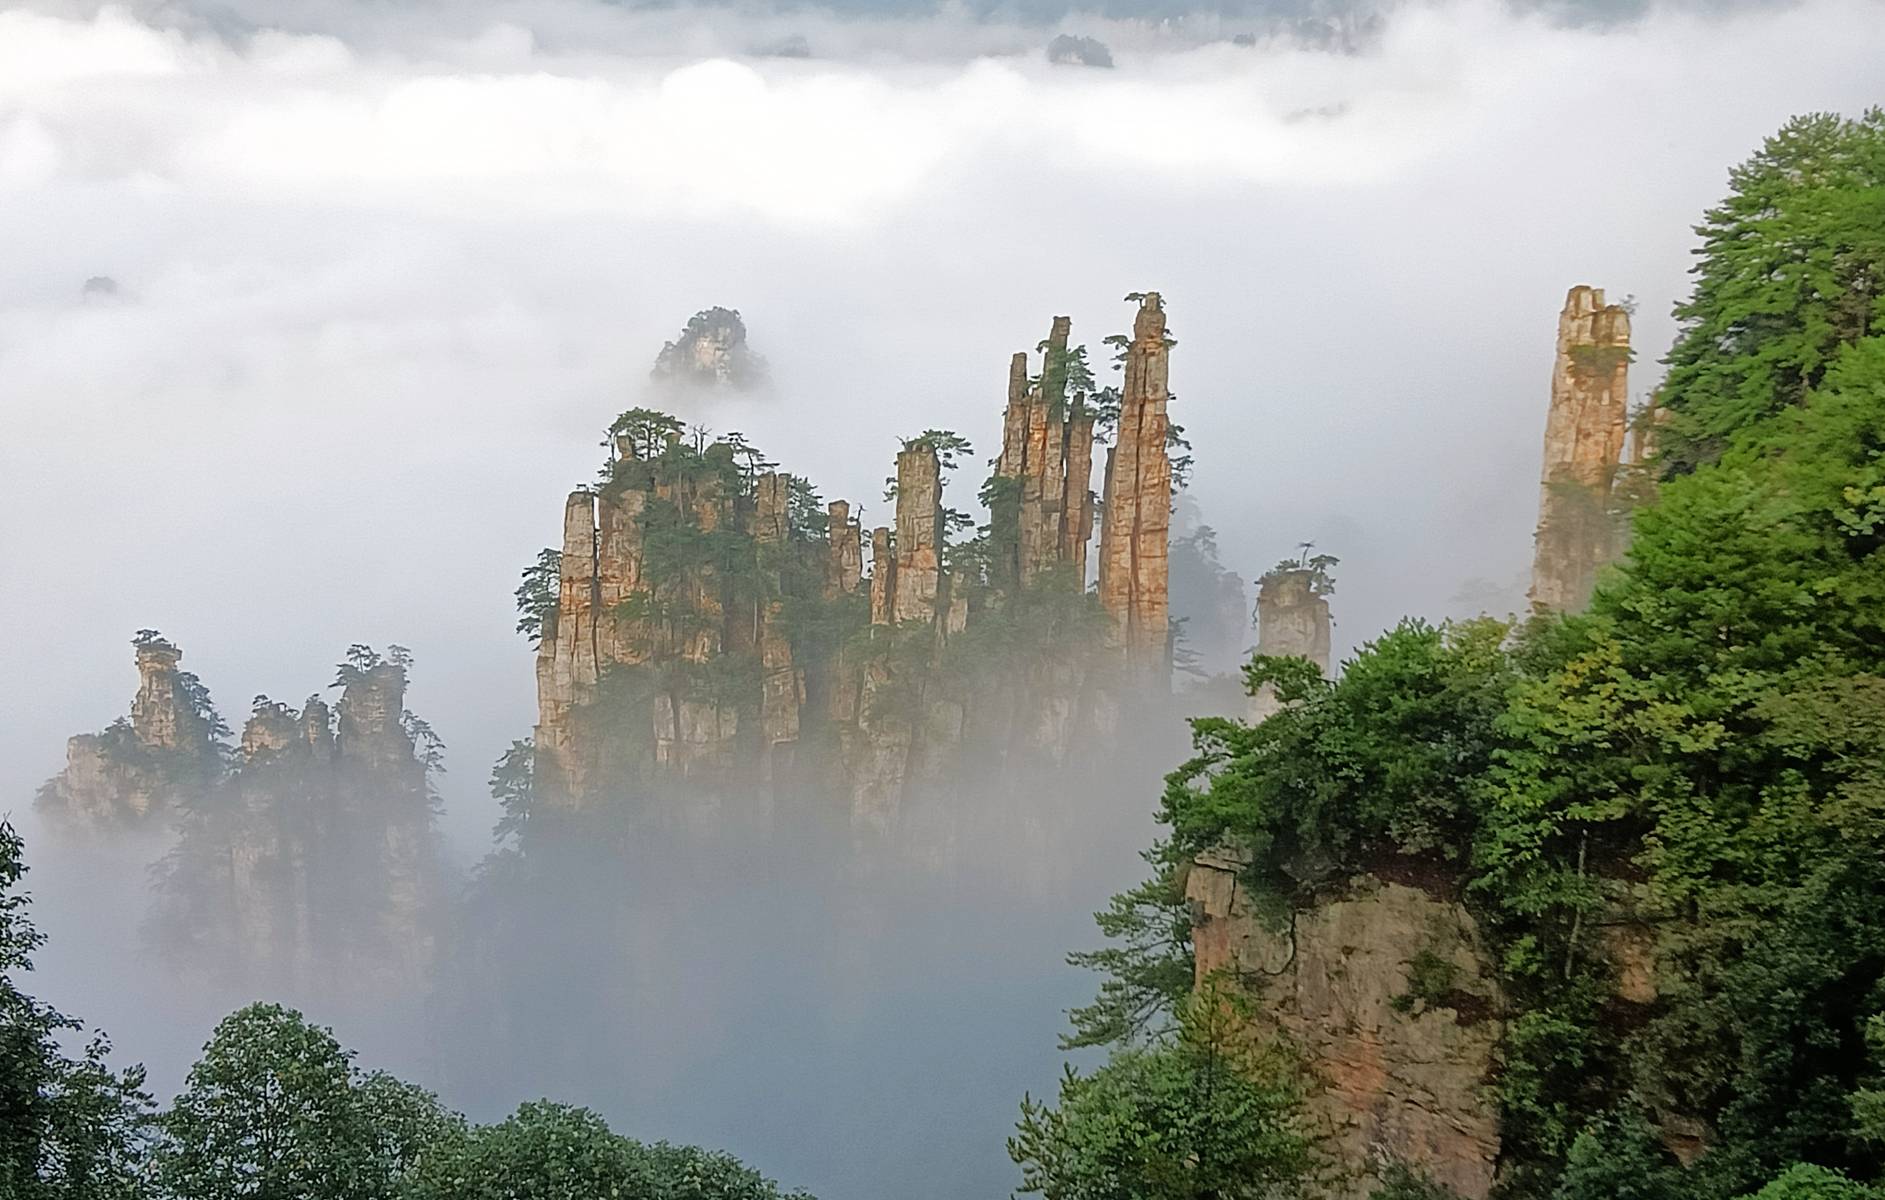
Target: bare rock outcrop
point(1390, 995)
point(1136, 526)
point(1578, 527)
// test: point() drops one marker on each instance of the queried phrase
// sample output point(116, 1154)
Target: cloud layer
point(384, 272)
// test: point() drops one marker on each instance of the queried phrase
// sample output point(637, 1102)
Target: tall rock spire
point(919, 534)
point(567, 666)
point(1584, 440)
point(1136, 528)
point(1292, 622)
point(1045, 510)
point(883, 577)
point(156, 717)
point(845, 566)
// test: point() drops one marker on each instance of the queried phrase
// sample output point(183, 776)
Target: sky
point(381, 273)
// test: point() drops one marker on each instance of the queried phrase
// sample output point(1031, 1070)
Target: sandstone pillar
point(846, 564)
point(919, 534)
point(1292, 622)
point(1584, 437)
point(154, 710)
point(1137, 524)
point(567, 660)
point(883, 578)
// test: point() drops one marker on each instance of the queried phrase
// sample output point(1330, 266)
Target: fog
point(383, 274)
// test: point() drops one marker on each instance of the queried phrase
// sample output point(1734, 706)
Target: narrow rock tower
point(1584, 439)
point(1292, 622)
point(1136, 527)
point(919, 535)
point(1047, 457)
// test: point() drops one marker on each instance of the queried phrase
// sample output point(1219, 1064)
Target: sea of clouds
point(379, 275)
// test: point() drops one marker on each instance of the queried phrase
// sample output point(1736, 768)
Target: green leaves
point(1792, 266)
point(1211, 1114)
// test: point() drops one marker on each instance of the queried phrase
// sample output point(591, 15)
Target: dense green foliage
point(1701, 753)
point(1205, 1114)
point(1792, 268)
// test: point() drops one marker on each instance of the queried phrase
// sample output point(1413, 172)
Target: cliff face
point(1135, 529)
point(1578, 529)
point(1389, 994)
point(1292, 622)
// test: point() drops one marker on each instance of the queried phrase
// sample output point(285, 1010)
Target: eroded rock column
point(845, 567)
point(1292, 622)
point(1584, 438)
point(919, 535)
point(567, 659)
point(1046, 511)
point(1136, 528)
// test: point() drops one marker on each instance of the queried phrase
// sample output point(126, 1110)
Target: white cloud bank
point(384, 271)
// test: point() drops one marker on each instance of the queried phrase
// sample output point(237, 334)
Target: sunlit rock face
point(1292, 622)
point(711, 351)
point(1578, 524)
point(1390, 995)
point(1136, 527)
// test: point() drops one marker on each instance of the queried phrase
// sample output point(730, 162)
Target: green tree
point(1791, 267)
point(275, 1110)
point(71, 1128)
point(537, 596)
point(548, 1151)
point(1210, 1114)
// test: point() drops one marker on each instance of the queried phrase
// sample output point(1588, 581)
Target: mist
point(381, 275)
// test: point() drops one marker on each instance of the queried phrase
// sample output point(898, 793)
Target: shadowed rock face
point(1135, 531)
point(1578, 529)
point(1390, 995)
point(1292, 622)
